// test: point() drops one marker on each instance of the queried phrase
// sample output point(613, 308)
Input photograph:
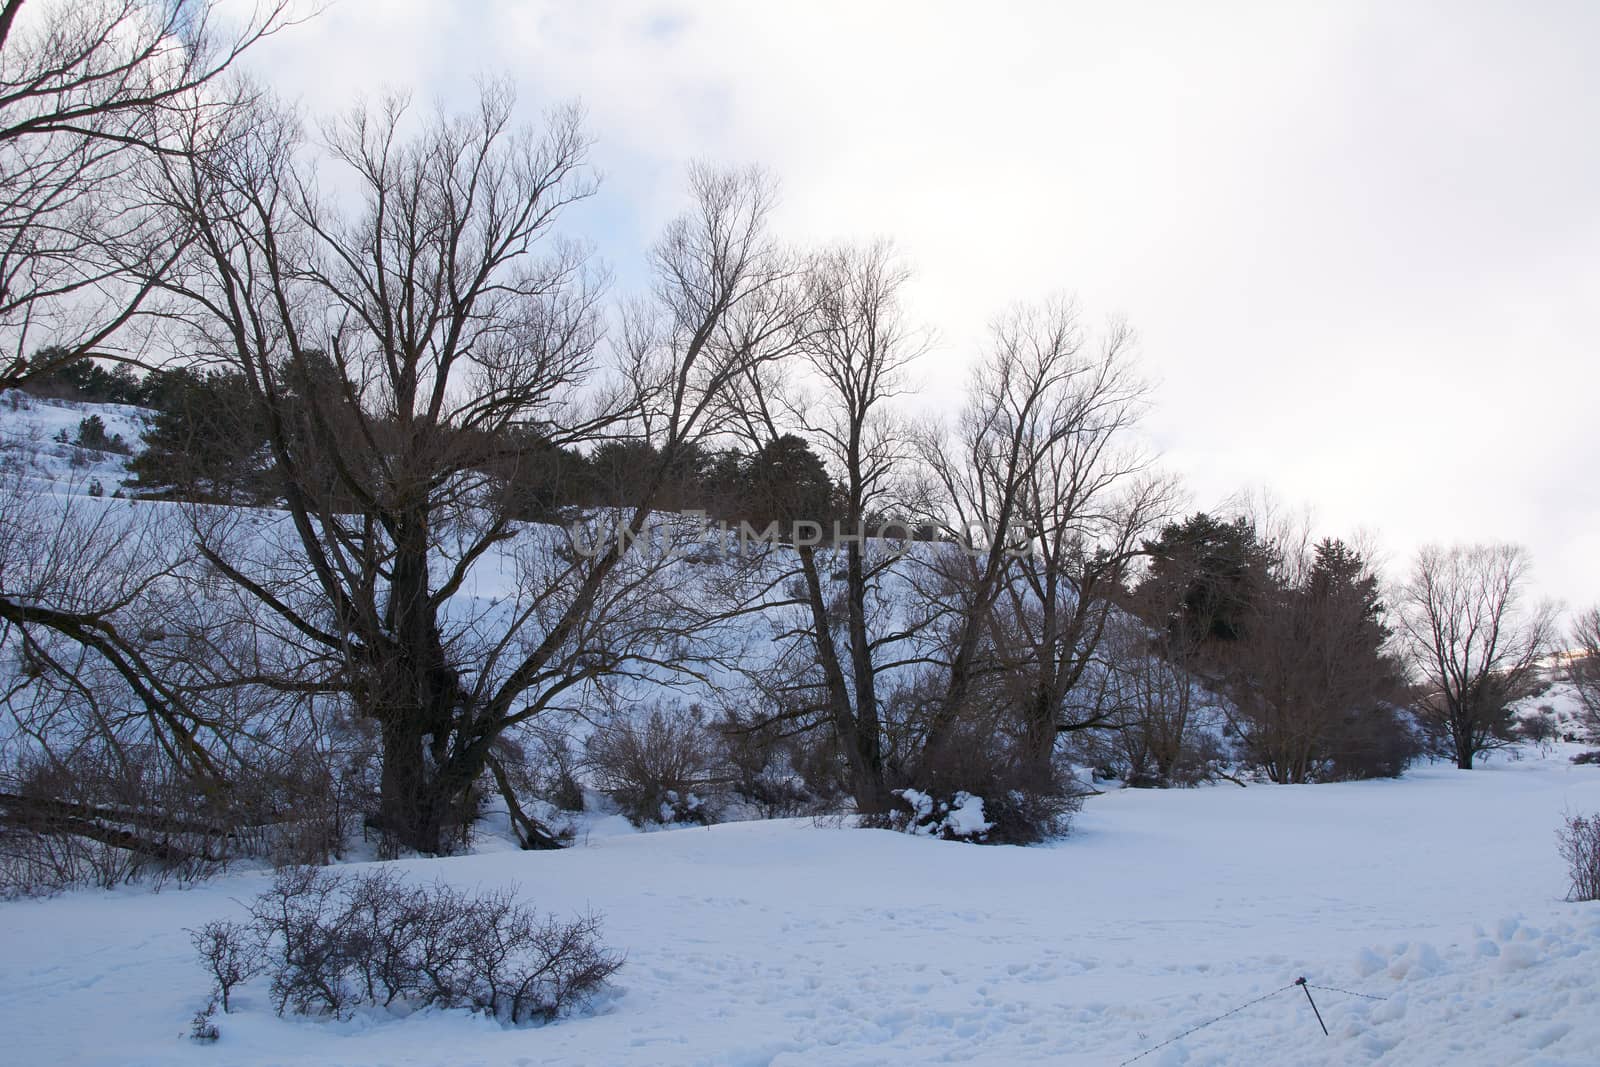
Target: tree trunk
point(420, 705)
point(1464, 740)
point(409, 807)
point(868, 740)
point(866, 772)
point(1040, 735)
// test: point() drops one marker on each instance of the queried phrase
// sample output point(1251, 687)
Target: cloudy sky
point(1359, 242)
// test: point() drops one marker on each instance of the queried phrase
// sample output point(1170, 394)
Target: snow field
point(786, 942)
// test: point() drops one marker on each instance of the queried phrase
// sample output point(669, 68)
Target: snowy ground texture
point(30, 445)
point(788, 943)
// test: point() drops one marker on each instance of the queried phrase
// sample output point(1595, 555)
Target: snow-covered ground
point(792, 943)
point(31, 429)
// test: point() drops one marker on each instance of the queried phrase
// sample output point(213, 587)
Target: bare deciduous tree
point(392, 345)
point(854, 346)
point(1044, 471)
point(1473, 642)
point(1584, 669)
point(89, 89)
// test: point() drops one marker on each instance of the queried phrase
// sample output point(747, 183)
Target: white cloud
point(1358, 242)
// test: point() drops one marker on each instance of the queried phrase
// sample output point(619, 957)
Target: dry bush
point(1022, 802)
point(1540, 728)
point(1378, 742)
point(542, 763)
point(108, 811)
point(331, 943)
point(1002, 817)
point(231, 952)
point(1578, 841)
point(41, 864)
point(311, 798)
point(761, 762)
point(202, 1031)
point(105, 817)
point(821, 766)
point(663, 768)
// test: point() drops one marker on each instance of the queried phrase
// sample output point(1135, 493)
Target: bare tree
point(392, 347)
point(1584, 669)
point(1156, 711)
point(854, 346)
point(89, 89)
point(1473, 642)
point(1044, 472)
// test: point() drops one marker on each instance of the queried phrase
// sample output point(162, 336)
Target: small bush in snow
point(331, 943)
point(1579, 843)
point(1010, 817)
point(92, 434)
point(553, 768)
point(103, 817)
point(658, 769)
point(1541, 727)
point(231, 952)
point(201, 1029)
point(961, 818)
point(762, 765)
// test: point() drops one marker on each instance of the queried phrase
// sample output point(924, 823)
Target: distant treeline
point(207, 441)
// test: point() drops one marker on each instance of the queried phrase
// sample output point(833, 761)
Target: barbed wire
point(1347, 992)
point(1208, 1022)
point(1299, 982)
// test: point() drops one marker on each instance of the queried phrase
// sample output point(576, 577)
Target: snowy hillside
point(789, 943)
point(37, 435)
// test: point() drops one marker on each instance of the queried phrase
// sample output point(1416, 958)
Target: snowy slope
point(786, 943)
point(30, 426)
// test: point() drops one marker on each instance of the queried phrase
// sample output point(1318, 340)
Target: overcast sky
point(1359, 243)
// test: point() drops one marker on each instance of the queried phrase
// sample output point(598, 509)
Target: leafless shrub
point(1023, 801)
point(1540, 728)
point(661, 768)
point(105, 817)
point(334, 942)
point(1009, 817)
point(313, 795)
point(1578, 841)
point(824, 771)
point(202, 1030)
point(231, 952)
point(300, 926)
point(761, 763)
point(543, 763)
point(37, 864)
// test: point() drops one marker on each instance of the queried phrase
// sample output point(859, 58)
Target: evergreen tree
point(1205, 574)
point(86, 379)
point(787, 483)
point(206, 440)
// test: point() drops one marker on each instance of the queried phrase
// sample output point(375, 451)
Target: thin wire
point(1347, 992)
point(1207, 1023)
